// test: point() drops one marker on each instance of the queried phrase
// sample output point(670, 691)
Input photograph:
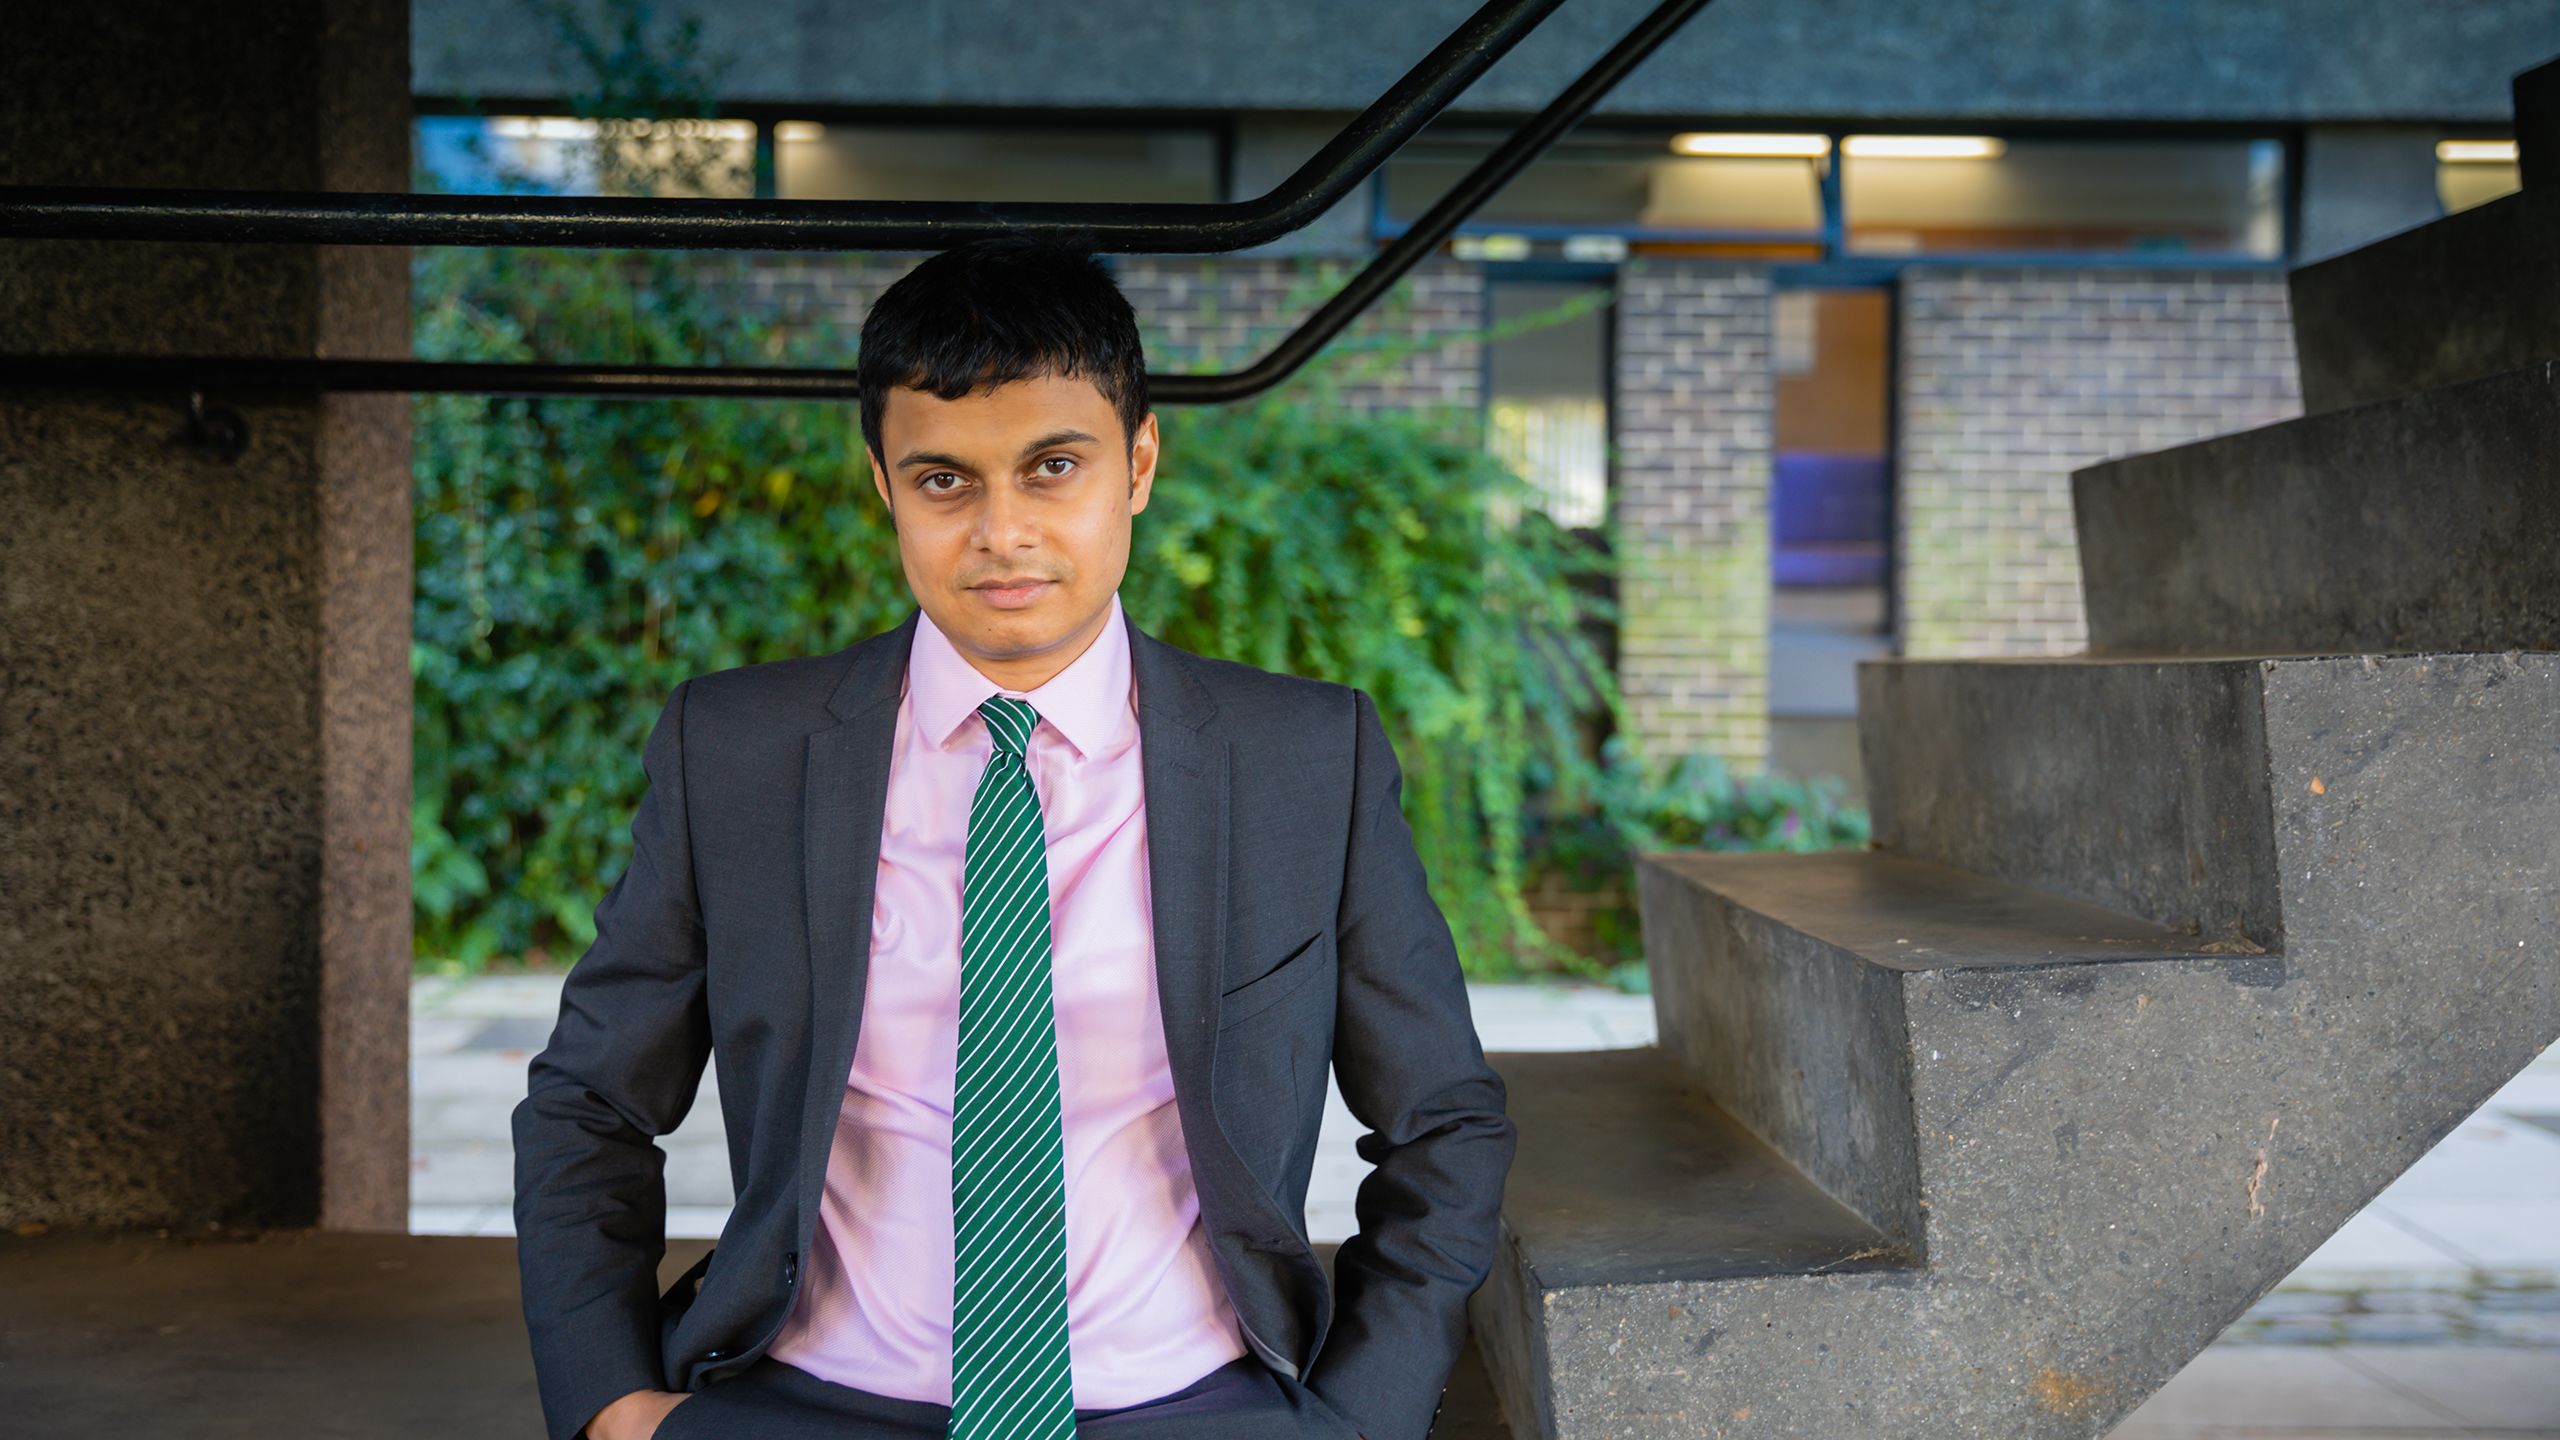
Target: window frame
point(1828, 241)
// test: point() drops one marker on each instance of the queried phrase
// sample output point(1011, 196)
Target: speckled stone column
point(204, 681)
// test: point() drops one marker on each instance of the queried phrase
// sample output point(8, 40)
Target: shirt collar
point(1090, 702)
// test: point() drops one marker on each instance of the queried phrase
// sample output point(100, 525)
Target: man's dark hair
point(992, 311)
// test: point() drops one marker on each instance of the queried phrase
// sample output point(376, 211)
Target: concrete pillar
point(1696, 378)
point(204, 680)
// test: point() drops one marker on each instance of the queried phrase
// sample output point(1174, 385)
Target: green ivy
point(1690, 801)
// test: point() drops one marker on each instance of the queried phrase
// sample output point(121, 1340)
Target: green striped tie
point(1009, 1373)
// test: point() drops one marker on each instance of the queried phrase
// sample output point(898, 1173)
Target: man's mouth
point(1014, 592)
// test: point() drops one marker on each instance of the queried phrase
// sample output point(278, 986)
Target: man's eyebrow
point(934, 457)
point(1054, 437)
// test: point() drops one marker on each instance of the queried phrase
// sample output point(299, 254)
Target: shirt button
point(711, 1355)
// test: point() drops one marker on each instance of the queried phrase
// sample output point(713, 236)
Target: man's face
point(1030, 481)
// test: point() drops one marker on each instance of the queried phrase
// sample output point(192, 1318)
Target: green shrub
point(1686, 802)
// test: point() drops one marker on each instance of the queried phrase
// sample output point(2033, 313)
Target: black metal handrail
point(1474, 188)
point(1425, 235)
point(679, 223)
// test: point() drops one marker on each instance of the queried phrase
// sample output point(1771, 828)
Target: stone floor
point(2435, 1311)
point(348, 1335)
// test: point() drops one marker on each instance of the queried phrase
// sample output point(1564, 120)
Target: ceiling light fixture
point(2476, 152)
point(1723, 142)
point(1923, 147)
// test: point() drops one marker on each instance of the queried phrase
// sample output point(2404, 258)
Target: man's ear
point(880, 482)
point(1145, 449)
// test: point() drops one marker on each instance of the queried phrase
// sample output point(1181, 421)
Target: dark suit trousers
point(1243, 1399)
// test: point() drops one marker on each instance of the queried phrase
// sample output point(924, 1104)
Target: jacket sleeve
point(1411, 1070)
point(623, 1065)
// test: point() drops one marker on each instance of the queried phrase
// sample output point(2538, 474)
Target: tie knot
point(1011, 721)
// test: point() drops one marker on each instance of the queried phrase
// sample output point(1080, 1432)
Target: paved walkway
point(2435, 1312)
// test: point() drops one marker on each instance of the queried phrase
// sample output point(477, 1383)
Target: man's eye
point(1059, 460)
point(936, 475)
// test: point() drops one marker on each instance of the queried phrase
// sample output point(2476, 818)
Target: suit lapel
point(1185, 771)
point(846, 793)
point(844, 798)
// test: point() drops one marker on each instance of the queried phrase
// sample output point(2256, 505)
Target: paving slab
point(2282, 1385)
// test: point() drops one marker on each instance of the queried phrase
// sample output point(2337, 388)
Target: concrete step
point(1629, 1181)
point(2119, 1138)
point(2425, 522)
point(1666, 1272)
point(2537, 100)
point(2174, 788)
point(2474, 293)
point(1779, 986)
point(2138, 784)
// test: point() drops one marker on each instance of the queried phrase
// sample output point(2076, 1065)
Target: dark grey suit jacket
point(1293, 930)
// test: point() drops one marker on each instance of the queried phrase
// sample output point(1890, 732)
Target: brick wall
point(2012, 378)
point(1210, 312)
point(1222, 313)
point(798, 288)
point(1694, 382)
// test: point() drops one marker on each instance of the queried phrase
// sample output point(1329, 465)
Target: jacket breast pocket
point(1302, 965)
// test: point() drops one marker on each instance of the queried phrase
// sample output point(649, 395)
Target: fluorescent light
point(1721, 142)
point(2458, 152)
point(1923, 147)
point(799, 130)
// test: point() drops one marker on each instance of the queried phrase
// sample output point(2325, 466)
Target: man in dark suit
point(1023, 942)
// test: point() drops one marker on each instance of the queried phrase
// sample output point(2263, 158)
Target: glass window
point(1547, 403)
point(1936, 194)
point(831, 161)
point(1609, 183)
point(2475, 171)
point(1830, 482)
point(567, 155)
point(1747, 192)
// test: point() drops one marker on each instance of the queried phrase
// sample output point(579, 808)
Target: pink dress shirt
point(1146, 1311)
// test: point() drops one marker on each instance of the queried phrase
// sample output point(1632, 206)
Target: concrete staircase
point(2168, 956)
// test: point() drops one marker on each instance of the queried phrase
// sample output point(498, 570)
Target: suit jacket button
point(790, 1267)
point(712, 1355)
